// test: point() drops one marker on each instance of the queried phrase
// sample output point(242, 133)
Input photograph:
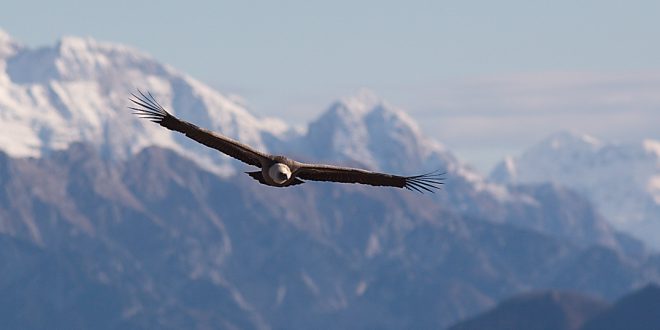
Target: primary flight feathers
point(278, 171)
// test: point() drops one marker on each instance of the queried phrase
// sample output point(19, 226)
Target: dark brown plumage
point(278, 171)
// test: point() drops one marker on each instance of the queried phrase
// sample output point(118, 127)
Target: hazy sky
point(486, 78)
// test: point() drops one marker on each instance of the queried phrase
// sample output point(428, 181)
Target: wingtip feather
point(429, 182)
point(147, 107)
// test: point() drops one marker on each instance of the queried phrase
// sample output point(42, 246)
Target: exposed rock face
point(622, 180)
point(156, 241)
point(639, 310)
point(571, 311)
point(551, 310)
point(100, 230)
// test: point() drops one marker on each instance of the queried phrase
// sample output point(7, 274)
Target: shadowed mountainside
point(638, 310)
point(550, 310)
point(156, 241)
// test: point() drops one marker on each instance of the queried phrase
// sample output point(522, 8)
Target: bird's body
point(279, 171)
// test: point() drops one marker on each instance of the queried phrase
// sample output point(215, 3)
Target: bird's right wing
point(317, 172)
point(147, 107)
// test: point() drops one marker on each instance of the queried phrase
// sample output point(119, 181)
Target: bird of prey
point(278, 171)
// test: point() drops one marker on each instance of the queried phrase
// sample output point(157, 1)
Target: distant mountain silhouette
point(97, 232)
point(551, 310)
point(639, 310)
point(630, 200)
point(157, 242)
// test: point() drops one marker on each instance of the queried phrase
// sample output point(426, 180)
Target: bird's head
point(279, 173)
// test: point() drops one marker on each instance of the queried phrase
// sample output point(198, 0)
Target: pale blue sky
point(466, 70)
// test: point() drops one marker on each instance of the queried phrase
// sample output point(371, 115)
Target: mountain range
point(109, 221)
point(77, 91)
point(622, 180)
point(157, 241)
point(557, 310)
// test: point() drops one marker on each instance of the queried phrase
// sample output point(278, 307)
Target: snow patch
point(620, 179)
point(590, 140)
point(361, 288)
point(510, 166)
point(281, 294)
point(373, 246)
point(654, 188)
point(78, 90)
point(8, 46)
point(652, 146)
point(362, 102)
point(309, 283)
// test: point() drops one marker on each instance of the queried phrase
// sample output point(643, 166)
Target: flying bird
point(278, 171)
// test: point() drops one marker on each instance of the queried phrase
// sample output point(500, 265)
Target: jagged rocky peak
point(76, 58)
point(359, 104)
point(538, 310)
point(87, 56)
point(8, 46)
point(563, 146)
point(652, 147)
point(565, 142)
point(366, 106)
point(4, 36)
point(622, 179)
point(78, 90)
point(363, 129)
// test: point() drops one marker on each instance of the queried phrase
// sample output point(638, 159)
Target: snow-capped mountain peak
point(564, 140)
point(8, 47)
point(554, 153)
point(652, 147)
point(87, 58)
point(365, 130)
point(77, 90)
point(4, 36)
point(621, 179)
point(7, 44)
point(76, 59)
point(363, 101)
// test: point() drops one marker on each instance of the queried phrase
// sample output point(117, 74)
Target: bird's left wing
point(425, 182)
point(147, 107)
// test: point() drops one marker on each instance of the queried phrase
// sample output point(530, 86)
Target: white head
point(279, 173)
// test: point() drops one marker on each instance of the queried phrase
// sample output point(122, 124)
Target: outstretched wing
point(147, 107)
point(420, 183)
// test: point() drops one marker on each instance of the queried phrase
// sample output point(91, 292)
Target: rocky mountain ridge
point(622, 180)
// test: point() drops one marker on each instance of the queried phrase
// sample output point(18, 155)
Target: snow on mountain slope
point(363, 129)
point(78, 90)
point(623, 180)
point(7, 45)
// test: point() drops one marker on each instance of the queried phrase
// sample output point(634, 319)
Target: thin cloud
point(482, 116)
point(567, 92)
